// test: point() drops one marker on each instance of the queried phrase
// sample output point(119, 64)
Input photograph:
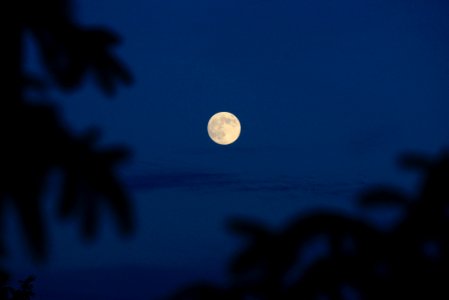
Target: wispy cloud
point(178, 180)
point(214, 180)
point(303, 185)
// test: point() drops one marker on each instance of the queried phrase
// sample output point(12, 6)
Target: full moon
point(224, 128)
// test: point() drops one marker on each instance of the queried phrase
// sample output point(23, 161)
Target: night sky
point(328, 93)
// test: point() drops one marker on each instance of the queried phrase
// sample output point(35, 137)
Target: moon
point(224, 128)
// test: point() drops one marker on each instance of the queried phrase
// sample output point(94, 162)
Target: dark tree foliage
point(361, 261)
point(34, 140)
point(23, 292)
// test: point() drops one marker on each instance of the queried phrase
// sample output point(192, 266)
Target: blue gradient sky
point(328, 94)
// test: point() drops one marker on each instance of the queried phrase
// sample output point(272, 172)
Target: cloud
point(303, 185)
point(178, 180)
point(213, 180)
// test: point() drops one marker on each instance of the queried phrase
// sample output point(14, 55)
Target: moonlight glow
point(223, 128)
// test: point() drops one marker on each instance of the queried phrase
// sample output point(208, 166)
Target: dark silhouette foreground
point(360, 261)
point(34, 140)
point(25, 290)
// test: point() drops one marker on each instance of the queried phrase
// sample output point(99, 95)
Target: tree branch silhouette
point(35, 141)
point(362, 261)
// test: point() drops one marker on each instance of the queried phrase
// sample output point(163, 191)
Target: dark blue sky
point(328, 94)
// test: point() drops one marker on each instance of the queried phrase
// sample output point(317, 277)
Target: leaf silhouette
point(69, 51)
point(36, 142)
point(89, 181)
point(408, 260)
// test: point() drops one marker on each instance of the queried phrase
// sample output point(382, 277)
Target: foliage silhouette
point(35, 141)
point(23, 292)
point(361, 261)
